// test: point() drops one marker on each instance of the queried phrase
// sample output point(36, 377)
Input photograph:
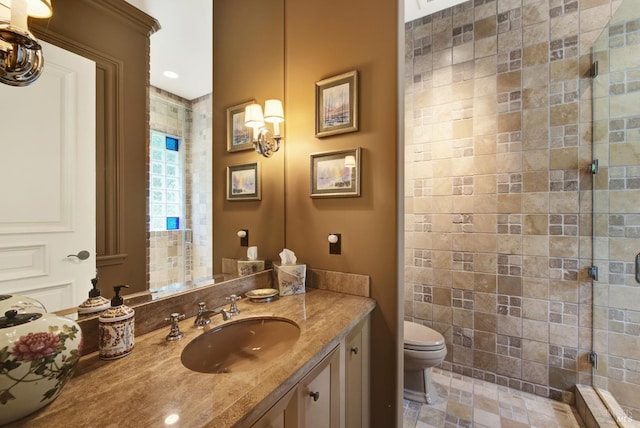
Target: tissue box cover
point(291, 279)
point(247, 267)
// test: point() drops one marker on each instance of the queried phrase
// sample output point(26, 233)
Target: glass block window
point(173, 223)
point(166, 200)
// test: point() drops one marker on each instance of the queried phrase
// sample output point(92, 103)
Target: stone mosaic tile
point(468, 402)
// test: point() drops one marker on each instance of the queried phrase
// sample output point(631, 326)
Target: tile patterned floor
point(475, 403)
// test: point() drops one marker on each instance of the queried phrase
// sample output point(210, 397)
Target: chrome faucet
point(204, 315)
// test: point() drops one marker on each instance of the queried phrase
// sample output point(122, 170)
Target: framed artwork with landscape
point(243, 182)
point(335, 174)
point(238, 135)
point(337, 104)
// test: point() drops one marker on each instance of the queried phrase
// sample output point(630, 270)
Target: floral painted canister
point(22, 304)
point(116, 328)
point(38, 355)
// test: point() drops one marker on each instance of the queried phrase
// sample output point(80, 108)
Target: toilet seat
point(418, 337)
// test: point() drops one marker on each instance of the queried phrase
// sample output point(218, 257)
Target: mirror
point(249, 58)
point(246, 33)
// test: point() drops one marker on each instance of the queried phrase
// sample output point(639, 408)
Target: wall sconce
point(21, 60)
point(264, 142)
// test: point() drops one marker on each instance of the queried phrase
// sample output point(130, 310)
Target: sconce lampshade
point(273, 112)
point(350, 161)
point(35, 8)
point(253, 117)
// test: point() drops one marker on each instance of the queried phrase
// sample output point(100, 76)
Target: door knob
point(82, 255)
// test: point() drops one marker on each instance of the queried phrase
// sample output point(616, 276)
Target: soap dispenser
point(95, 302)
point(116, 328)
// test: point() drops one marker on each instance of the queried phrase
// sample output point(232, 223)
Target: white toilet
point(423, 348)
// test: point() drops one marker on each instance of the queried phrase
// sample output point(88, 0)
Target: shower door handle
point(638, 267)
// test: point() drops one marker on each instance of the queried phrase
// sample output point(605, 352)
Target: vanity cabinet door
point(277, 416)
point(319, 395)
point(356, 373)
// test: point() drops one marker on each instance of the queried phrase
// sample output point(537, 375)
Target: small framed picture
point(238, 135)
point(243, 182)
point(335, 174)
point(337, 104)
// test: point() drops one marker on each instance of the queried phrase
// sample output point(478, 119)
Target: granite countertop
point(151, 384)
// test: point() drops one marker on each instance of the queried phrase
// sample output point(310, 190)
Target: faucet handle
point(233, 309)
point(175, 317)
point(175, 332)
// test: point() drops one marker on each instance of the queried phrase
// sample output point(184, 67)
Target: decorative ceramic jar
point(38, 354)
point(116, 328)
point(22, 304)
point(95, 303)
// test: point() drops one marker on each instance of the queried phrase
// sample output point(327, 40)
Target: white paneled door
point(47, 182)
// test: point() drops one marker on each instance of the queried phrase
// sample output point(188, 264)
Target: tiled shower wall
point(200, 192)
point(171, 259)
point(498, 189)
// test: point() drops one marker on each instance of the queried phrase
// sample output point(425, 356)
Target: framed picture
point(238, 135)
point(337, 104)
point(335, 174)
point(243, 182)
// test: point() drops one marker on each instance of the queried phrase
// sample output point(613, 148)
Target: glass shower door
point(616, 209)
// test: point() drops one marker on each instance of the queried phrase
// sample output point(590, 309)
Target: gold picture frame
point(243, 182)
point(239, 137)
point(337, 104)
point(336, 174)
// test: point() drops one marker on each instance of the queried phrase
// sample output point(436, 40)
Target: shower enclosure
point(180, 215)
point(616, 209)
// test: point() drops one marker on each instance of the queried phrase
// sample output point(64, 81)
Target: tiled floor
point(475, 403)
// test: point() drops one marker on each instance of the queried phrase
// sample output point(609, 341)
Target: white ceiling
point(184, 44)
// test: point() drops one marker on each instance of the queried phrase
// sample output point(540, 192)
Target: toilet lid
point(420, 337)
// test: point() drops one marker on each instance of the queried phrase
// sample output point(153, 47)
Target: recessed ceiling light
point(171, 74)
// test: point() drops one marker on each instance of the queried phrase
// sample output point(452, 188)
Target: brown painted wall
point(249, 57)
point(115, 30)
point(247, 68)
point(324, 39)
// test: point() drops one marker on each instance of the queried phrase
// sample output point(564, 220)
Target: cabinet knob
point(315, 395)
point(354, 350)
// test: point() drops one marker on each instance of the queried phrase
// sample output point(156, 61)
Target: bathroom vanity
point(335, 390)
point(321, 380)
